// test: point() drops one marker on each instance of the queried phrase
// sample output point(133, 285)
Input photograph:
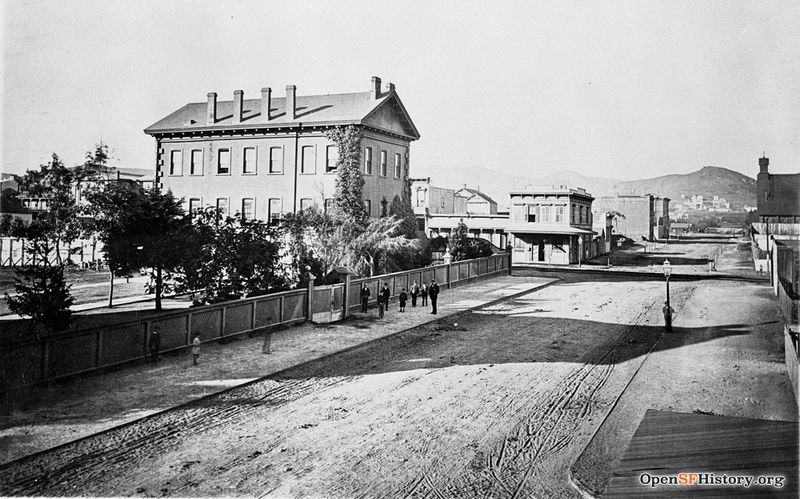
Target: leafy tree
point(459, 242)
point(348, 198)
point(142, 228)
point(43, 295)
point(401, 208)
point(108, 216)
point(53, 183)
point(463, 247)
point(232, 258)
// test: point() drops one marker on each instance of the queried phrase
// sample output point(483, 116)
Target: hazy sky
point(614, 89)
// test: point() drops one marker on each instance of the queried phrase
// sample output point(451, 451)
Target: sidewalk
point(86, 405)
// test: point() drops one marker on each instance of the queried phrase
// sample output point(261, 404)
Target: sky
point(616, 89)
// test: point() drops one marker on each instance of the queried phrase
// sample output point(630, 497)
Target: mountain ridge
point(708, 181)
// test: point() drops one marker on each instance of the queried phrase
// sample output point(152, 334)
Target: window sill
point(274, 173)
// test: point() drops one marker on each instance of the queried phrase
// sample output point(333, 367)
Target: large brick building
point(268, 156)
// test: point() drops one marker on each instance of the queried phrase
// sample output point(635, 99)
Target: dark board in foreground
point(671, 446)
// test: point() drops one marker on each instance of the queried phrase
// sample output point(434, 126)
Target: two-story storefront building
point(550, 224)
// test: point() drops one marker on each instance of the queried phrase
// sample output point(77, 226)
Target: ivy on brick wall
point(349, 200)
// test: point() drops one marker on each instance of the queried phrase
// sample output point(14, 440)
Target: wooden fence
point(30, 361)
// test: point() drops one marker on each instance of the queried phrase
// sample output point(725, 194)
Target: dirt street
point(498, 401)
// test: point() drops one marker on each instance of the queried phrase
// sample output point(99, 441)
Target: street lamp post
point(667, 308)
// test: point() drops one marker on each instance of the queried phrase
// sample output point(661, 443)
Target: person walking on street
point(423, 291)
point(433, 291)
point(364, 298)
point(403, 297)
point(155, 344)
point(414, 294)
point(195, 349)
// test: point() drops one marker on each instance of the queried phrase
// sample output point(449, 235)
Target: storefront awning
point(534, 228)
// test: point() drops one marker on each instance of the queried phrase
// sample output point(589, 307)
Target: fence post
point(508, 250)
point(189, 328)
point(346, 296)
point(449, 275)
point(46, 358)
point(98, 348)
point(223, 313)
point(253, 316)
point(148, 326)
point(310, 304)
point(280, 310)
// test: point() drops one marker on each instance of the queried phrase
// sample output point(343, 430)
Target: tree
point(107, 218)
point(141, 228)
point(459, 242)
point(43, 295)
point(401, 208)
point(53, 183)
point(232, 257)
point(348, 197)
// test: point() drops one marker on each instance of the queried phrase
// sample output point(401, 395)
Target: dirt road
point(493, 402)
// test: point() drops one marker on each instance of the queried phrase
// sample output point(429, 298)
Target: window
point(248, 208)
point(331, 158)
point(368, 207)
point(328, 204)
point(442, 203)
point(572, 214)
point(222, 207)
point(384, 207)
point(580, 214)
point(274, 211)
point(545, 212)
point(368, 161)
point(224, 162)
point(249, 161)
point(276, 159)
point(559, 214)
point(397, 165)
point(518, 213)
point(383, 164)
point(532, 210)
point(194, 205)
point(306, 203)
point(309, 164)
point(420, 197)
point(176, 163)
point(196, 165)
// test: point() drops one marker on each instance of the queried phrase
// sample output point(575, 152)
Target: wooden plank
point(669, 443)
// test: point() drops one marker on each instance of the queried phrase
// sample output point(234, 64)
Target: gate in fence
point(328, 303)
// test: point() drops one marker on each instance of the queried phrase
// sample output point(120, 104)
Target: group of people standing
point(424, 292)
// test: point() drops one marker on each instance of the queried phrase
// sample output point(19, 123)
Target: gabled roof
point(478, 193)
point(330, 109)
point(10, 204)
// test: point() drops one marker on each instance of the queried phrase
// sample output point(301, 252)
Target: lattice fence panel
point(268, 312)
point(473, 269)
point(294, 307)
point(427, 275)
point(238, 318)
point(441, 275)
point(354, 294)
point(72, 354)
point(172, 332)
point(207, 324)
point(123, 343)
point(20, 365)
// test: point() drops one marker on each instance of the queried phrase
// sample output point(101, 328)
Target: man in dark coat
point(364, 298)
point(384, 295)
point(433, 292)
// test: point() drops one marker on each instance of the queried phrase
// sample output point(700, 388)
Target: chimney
point(763, 164)
point(291, 101)
point(238, 97)
point(266, 103)
point(375, 91)
point(391, 87)
point(211, 112)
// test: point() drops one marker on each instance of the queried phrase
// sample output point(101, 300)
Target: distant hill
point(709, 181)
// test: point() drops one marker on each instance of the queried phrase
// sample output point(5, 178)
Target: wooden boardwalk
point(667, 444)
